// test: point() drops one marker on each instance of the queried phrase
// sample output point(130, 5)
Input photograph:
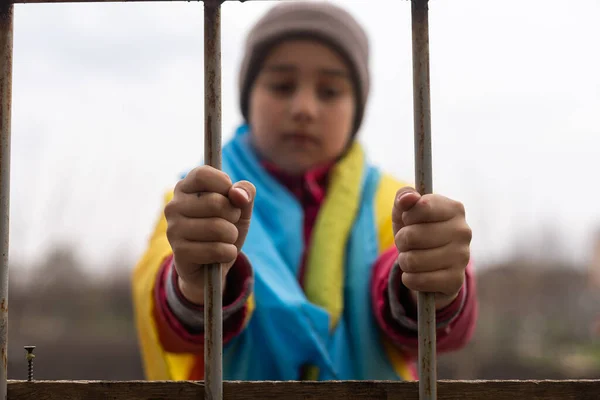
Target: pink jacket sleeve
point(396, 312)
point(181, 324)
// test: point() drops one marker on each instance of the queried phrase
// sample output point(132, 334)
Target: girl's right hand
point(207, 222)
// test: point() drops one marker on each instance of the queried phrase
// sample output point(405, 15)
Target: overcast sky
point(108, 110)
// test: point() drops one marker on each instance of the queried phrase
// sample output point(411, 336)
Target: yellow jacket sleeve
point(384, 202)
point(158, 364)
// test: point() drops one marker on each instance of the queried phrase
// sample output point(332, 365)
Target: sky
point(108, 111)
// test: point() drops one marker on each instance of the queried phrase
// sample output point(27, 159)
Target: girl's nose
point(304, 104)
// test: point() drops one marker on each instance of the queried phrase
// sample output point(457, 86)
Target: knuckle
point(225, 231)
point(177, 187)
point(407, 217)
point(407, 237)
point(202, 169)
point(460, 280)
point(226, 179)
point(234, 215)
point(399, 240)
point(169, 233)
point(464, 257)
point(168, 210)
point(427, 203)
point(209, 204)
point(419, 213)
point(173, 231)
point(407, 280)
point(221, 207)
point(429, 197)
point(224, 253)
point(413, 281)
point(407, 262)
point(198, 176)
point(212, 205)
point(468, 233)
point(460, 208)
point(208, 229)
point(228, 212)
point(219, 176)
point(218, 206)
point(235, 234)
point(454, 283)
point(171, 208)
point(190, 176)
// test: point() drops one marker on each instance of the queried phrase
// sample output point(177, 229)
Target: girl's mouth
point(301, 138)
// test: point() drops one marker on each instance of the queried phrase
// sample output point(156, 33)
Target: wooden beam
point(348, 390)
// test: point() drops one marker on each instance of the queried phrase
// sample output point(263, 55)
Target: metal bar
point(116, 1)
point(303, 390)
point(6, 56)
point(213, 301)
point(424, 182)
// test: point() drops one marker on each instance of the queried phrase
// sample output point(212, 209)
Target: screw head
point(29, 350)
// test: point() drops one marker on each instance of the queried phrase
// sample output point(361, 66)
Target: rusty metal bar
point(296, 390)
point(424, 183)
point(115, 1)
point(213, 301)
point(6, 57)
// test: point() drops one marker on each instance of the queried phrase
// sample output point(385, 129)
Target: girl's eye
point(282, 88)
point(328, 93)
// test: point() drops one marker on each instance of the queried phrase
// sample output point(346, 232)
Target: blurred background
point(108, 111)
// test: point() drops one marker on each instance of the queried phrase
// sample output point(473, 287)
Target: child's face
point(302, 106)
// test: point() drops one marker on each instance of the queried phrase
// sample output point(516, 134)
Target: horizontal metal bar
point(327, 390)
point(117, 1)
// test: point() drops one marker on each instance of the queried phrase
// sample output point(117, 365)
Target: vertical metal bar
point(213, 301)
point(424, 182)
point(6, 55)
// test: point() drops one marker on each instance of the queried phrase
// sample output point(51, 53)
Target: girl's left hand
point(433, 240)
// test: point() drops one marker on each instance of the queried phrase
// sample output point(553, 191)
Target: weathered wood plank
point(348, 390)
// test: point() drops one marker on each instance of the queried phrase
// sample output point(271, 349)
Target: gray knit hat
point(319, 20)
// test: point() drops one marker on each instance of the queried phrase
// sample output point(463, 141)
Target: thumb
point(242, 195)
point(406, 198)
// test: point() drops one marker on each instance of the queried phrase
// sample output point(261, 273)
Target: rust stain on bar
point(213, 313)
point(424, 184)
point(6, 61)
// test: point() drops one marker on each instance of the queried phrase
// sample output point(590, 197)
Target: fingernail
point(404, 195)
point(244, 193)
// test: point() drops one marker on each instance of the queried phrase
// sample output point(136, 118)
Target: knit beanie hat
point(316, 20)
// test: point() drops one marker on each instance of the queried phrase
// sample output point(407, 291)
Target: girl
point(322, 252)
